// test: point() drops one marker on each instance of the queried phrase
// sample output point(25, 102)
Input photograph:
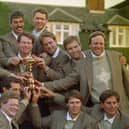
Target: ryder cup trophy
point(29, 62)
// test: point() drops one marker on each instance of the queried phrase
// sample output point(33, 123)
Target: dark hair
point(8, 95)
point(42, 11)
point(70, 39)
point(8, 80)
point(26, 34)
point(94, 34)
point(109, 93)
point(73, 94)
point(16, 14)
point(47, 34)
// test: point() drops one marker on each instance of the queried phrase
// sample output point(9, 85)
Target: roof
point(58, 14)
point(55, 11)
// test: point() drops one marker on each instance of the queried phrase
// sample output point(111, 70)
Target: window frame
point(114, 36)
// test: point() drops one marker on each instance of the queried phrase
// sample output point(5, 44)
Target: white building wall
point(77, 3)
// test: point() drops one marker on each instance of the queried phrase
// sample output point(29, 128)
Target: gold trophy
point(29, 61)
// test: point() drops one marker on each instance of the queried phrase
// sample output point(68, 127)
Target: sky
point(79, 3)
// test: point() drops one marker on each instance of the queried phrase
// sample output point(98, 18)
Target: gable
point(118, 20)
point(59, 14)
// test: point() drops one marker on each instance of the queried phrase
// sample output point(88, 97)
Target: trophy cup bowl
point(29, 61)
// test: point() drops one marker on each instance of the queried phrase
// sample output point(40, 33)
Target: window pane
point(121, 30)
point(58, 36)
point(127, 37)
point(58, 27)
point(121, 40)
point(66, 34)
point(114, 37)
point(66, 27)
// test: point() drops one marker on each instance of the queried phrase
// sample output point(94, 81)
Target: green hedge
point(4, 18)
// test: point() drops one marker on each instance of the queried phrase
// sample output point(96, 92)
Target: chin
point(12, 115)
point(97, 54)
point(75, 112)
point(112, 114)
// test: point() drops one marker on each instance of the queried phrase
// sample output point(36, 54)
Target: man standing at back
point(8, 42)
point(40, 19)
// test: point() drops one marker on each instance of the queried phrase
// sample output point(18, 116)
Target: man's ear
point(89, 45)
point(101, 105)
point(66, 104)
point(4, 89)
point(1, 104)
point(119, 104)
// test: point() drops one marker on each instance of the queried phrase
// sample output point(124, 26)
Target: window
point(118, 36)
point(62, 30)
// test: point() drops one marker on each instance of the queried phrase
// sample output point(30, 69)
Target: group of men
point(104, 115)
point(96, 74)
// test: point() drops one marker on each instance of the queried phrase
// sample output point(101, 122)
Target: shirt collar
point(83, 54)
point(56, 52)
point(109, 119)
point(5, 114)
point(68, 117)
point(38, 33)
point(97, 57)
point(14, 34)
point(19, 55)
